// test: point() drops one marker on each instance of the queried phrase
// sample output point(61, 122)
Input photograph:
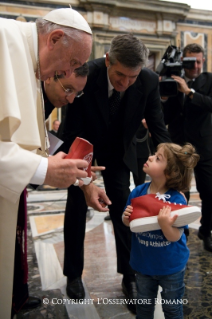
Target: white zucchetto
point(68, 17)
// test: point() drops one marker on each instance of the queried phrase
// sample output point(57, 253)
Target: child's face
point(156, 164)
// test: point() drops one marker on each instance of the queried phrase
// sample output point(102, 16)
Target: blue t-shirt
point(151, 253)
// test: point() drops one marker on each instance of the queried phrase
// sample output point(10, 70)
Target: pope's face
point(55, 89)
point(55, 57)
point(121, 77)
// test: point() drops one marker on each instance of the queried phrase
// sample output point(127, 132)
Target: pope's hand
point(63, 172)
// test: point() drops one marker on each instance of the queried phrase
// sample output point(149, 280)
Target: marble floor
point(102, 283)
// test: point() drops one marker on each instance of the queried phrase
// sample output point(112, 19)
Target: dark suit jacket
point(49, 107)
point(142, 142)
point(191, 120)
point(88, 116)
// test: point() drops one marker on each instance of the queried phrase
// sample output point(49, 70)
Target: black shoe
point(107, 217)
point(130, 291)
point(206, 240)
point(75, 289)
point(32, 302)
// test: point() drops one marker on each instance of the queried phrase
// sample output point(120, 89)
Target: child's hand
point(125, 217)
point(164, 218)
point(166, 222)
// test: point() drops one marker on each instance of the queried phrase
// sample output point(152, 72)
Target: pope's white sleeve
point(17, 166)
point(40, 174)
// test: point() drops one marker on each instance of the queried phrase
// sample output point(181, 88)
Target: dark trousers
point(203, 175)
point(117, 181)
point(20, 286)
point(20, 289)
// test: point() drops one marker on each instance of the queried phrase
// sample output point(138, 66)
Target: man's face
point(55, 57)
point(121, 77)
point(195, 72)
point(56, 126)
point(56, 94)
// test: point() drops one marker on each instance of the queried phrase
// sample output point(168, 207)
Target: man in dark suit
point(190, 120)
point(111, 128)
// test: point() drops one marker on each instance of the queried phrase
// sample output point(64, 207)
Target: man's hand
point(95, 169)
point(182, 85)
point(96, 197)
point(164, 98)
point(144, 123)
point(63, 172)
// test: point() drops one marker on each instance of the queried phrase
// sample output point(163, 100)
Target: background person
point(119, 93)
point(189, 119)
point(159, 257)
point(55, 127)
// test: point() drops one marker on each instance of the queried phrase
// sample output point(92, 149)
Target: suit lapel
point(132, 99)
point(199, 82)
point(134, 107)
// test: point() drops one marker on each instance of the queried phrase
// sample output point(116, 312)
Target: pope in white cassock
point(29, 53)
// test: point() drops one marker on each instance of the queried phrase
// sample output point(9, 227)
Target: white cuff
point(40, 174)
point(86, 180)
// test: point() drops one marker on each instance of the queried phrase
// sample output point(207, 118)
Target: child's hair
point(180, 163)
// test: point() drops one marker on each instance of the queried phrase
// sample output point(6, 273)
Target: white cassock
point(21, 133)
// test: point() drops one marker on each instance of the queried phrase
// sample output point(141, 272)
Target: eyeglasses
point(69, 91)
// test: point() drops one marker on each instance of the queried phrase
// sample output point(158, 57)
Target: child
point(159, 257)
